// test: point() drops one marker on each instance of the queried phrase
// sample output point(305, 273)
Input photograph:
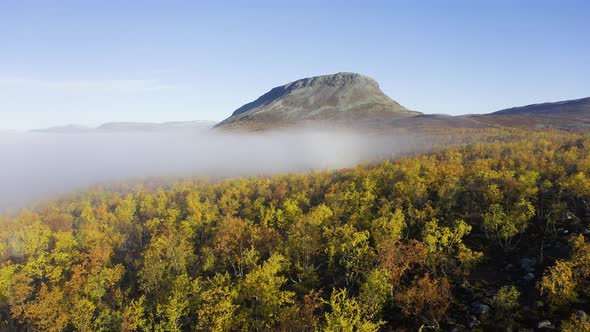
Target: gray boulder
point(527, 264)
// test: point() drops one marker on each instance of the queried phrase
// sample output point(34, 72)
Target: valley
point(332, 207)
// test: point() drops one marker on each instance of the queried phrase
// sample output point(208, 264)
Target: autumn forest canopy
point(470, 236)
point(304, 166)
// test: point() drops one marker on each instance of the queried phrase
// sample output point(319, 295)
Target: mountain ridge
point(352, 100)
point(571, 105)
point(130, 127)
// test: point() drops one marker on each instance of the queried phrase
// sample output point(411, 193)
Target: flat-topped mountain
point(354, 100)
point(342, 97)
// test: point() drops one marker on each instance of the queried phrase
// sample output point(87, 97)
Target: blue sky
point(90, 62)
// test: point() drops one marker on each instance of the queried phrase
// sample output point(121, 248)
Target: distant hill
point(131, 127)
point(71, 128)
point(566, 107)
point(339, 98)
point(567, 115)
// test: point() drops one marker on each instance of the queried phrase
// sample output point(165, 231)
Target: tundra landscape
point(372, 166)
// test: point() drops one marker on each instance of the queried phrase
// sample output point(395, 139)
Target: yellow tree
point(264, 304)
point(346, 315)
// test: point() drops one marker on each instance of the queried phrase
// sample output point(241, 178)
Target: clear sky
point(89, 62)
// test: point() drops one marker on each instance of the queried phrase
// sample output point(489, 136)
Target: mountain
point(354, 100)
point(131, 127)
point(565, 115)
point(567, 107)
point(148, 126)
point(571, 115)
point(71, 128)
point(348, 98)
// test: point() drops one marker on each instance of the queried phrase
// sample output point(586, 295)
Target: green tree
point(503, 226)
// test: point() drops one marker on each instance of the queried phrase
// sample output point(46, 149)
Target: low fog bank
point(42, 165)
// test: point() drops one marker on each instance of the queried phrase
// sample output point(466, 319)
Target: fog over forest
point(43, 165)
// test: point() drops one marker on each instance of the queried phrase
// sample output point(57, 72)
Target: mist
point(43, 165)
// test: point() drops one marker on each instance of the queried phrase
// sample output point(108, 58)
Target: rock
point(480, 308)
point(529, 276)
point(562, 231)
point(473, 324)
point(544, 324)
point(527, 264)
point(581, 314)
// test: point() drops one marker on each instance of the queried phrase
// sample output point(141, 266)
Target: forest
point(489, 234)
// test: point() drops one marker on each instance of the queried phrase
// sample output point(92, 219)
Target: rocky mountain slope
point(338, 98)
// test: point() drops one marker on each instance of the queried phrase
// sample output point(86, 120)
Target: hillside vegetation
point(482, 236)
